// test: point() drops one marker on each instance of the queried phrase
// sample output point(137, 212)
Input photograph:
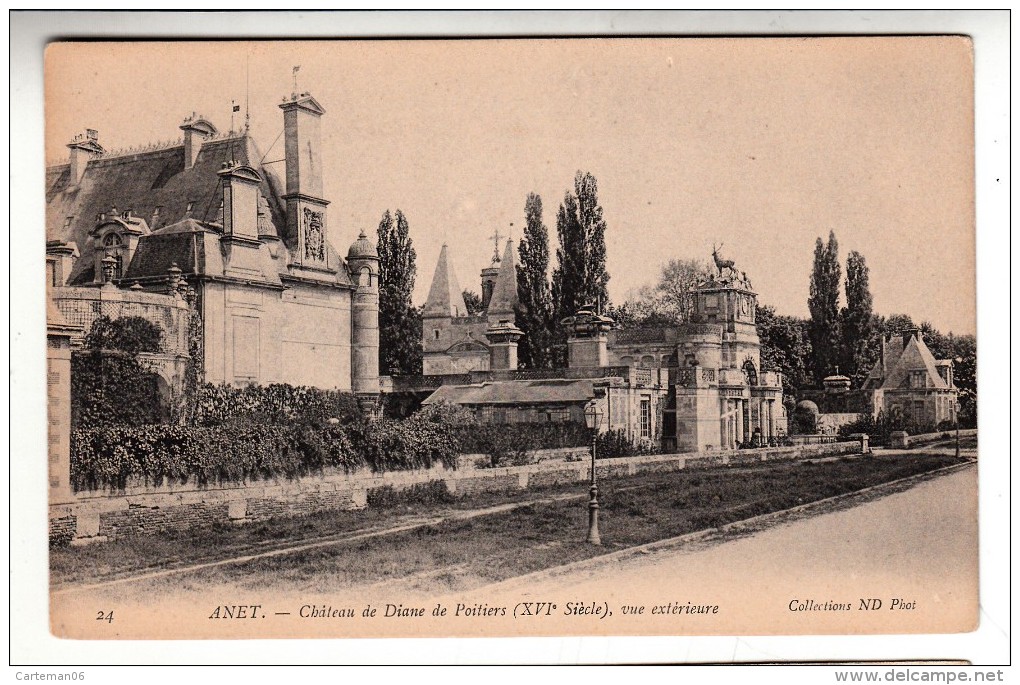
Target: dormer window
point(112, 240)
point(67, 222)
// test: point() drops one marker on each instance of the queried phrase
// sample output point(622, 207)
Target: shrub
point(477, 438)
point(501, 445)
point(275, 403)
point(878, 429)
point(130, 334)
point(112, 389)
point(432, 492)
point(235, 452)
point(109, 387)
point(615, 443)
point(431, 436)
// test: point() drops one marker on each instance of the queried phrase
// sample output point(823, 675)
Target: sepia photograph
point(511, 337)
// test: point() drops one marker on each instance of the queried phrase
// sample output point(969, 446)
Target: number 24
point(105, 616)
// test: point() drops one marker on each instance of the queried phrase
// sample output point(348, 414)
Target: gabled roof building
point(908, 381)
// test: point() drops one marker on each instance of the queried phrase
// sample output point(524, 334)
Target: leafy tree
point(534, 313)
point(670, 301)
point(823, 303)
point(400, 347)
point(962, 349)
point(473, 302)
point(785, 346)
point(638, 312)
point(857, 320)
point(895, 322)
point(580, 276)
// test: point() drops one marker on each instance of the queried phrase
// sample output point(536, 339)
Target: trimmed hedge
point(276, 403)
point(243, 449)
point(524, 436)
point(236, 452)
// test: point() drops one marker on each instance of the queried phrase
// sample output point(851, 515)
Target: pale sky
point(759, 144)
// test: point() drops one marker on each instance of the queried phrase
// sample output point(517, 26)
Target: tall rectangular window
point(646, 418)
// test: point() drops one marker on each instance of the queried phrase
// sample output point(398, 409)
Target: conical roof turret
point(504, 292)
point(445, 296)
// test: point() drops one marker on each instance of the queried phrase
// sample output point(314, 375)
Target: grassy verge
point(455, 554)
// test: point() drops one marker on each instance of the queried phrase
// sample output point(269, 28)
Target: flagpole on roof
point(247, 88)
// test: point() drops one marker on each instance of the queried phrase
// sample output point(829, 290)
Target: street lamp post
point(956, 413)
point(593, 417)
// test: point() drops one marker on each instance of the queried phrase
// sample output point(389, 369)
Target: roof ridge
point(139, 149)
point(154, 146)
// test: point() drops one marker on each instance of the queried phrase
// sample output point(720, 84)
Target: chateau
point(689, 387)
point(205, 230)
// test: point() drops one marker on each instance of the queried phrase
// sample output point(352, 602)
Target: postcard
point(511, 337)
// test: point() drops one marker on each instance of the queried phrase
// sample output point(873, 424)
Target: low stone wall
point(142, 509)
point(903, 440)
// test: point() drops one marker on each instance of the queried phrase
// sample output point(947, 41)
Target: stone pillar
point(503, 339)
point(58, 399)
point(772, 419)
point(723, 425)
point(740, 421)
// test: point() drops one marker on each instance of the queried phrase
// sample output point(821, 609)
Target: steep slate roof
point(143, 181)
point(515, 392)
point(904, 353)
point(504, 291)
point(445, 295)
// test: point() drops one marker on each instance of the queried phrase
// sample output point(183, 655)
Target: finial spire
point(496, 237)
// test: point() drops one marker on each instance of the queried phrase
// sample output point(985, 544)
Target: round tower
point(363, 264)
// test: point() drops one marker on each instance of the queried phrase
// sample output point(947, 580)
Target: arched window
point(752, 373)
point(112, 240)
point(365, 277)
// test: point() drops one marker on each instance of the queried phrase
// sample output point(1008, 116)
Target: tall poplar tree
point(857, 320)
point(823, 303)
point(580, 276)
point(534, 313)
point(400, 345)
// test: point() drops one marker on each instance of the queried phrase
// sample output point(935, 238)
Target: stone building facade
point(277, 302)
point(719, 395)
point(688, 387)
